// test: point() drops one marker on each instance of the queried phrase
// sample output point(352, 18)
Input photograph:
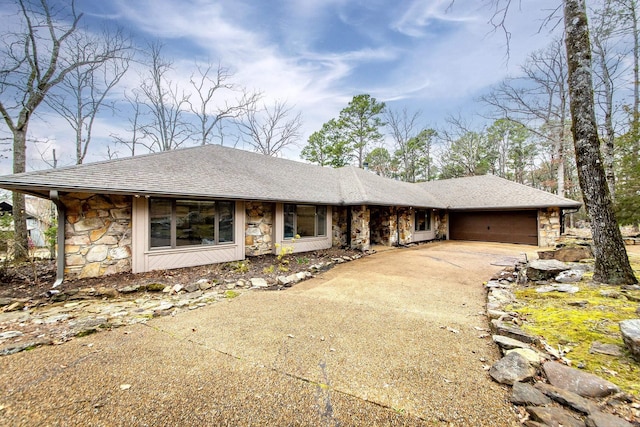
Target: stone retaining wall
point(549, 226)
point(97, 234)
point(258, 238)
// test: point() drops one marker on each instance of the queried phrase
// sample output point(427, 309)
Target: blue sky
point(426, 55)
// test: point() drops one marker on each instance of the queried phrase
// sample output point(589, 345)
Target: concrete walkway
point(390, 339)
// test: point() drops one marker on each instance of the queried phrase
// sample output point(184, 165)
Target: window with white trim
point(304, 221)
point(179, 223)
point(423, 220)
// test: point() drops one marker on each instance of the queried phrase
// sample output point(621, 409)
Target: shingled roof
point(486, 192)
point(213, 171)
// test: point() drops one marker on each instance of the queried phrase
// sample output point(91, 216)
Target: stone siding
point(97, 234)
point(549, 226)
point(360, 216)
point(258, 238)
point(406, 225)
point(383, 226)
point(339, 227)
point(441, 224)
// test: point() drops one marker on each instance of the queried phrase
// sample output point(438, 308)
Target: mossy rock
point(155, 287)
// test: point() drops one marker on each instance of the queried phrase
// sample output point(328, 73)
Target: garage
point(495, 226)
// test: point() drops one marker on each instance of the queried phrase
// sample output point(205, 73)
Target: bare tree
point(539, 100)
point(608, 67)
point(82, 93)
point(32, 64)
point(404, 128)
point(611, 260)
point(210, 110)
point(271, 129)
point(166, 103)
point(135, 122)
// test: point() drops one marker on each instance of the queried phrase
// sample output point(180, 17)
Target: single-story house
point(212, 204)
point(39, 219)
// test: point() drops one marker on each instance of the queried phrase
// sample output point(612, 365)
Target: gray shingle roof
point(214, 171)
point(491, 192)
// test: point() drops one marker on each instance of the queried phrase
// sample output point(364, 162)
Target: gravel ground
point(390, 339)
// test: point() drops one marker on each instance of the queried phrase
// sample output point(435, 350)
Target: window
point(423, 220)
point(178, 223)
point(305, 221)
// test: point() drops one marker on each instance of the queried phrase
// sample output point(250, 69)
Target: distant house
point(39, 215)
point(214, 204)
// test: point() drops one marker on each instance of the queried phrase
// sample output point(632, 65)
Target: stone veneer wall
point(549, 226)
point(360, 216)
point(258, 238)
point(441, 223)
point(97, 234)
point(383, 226)
point(339, 226)
point(406, 219)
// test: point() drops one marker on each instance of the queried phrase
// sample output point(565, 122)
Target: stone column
point(360, 238)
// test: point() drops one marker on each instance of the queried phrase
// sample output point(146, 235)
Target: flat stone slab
point(512, 331)
point(581, 383)
point(569, 276)
point(568, 398)
point(567, 254)
point(526, 394)
point(565, 288)
point(551, 416)
point(600, 419)
point(630, 330)
point(607, 349)
point(507, 343)
point(511, 369)
point(545, 269)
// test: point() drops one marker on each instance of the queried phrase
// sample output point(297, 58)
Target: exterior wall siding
point(97, 234)
point(306, 244)
point(145, 259)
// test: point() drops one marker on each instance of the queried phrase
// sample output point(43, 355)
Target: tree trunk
point(21, 237)
point(611, 260)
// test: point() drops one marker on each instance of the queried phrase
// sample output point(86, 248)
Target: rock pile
point(547, 391)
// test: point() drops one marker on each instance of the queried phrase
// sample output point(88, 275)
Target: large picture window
point(423, 220)
point(305, 221)
point(178, 223)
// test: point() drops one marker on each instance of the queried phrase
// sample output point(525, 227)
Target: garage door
point(504, 226)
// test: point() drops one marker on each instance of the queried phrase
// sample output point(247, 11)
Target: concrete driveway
point(390, 339)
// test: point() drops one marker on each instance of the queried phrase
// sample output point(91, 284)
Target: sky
point(432, 56)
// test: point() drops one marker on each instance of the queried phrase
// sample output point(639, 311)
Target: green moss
point(155, 287)
point(231, 294)
point(575, 328)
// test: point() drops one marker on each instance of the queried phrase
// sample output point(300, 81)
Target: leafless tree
point(212, 87)
point(32, 64)
point(608, 67)
point(539, 101)
point(270, 129)
point(166, 104)
point(134, 117)
point(404, 128)
point(82, 93)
